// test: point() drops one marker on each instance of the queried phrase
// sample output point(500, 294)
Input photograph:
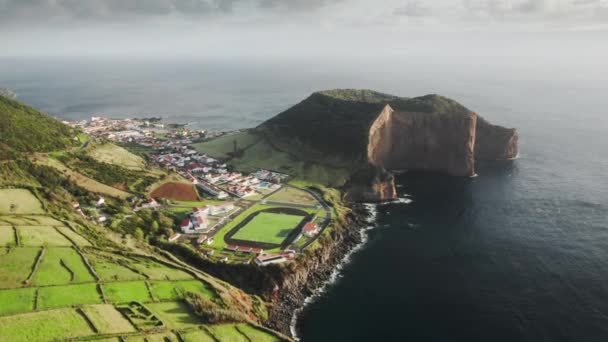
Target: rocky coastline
point(291, 293)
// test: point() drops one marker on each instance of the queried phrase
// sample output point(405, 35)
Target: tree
point(139, 234)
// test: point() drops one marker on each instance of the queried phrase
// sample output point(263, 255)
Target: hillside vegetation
point(25, 129)
point(65, 277)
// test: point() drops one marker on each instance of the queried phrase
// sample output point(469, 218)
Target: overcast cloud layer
point(104, 26)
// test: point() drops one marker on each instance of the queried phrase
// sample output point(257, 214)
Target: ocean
point(518, 253)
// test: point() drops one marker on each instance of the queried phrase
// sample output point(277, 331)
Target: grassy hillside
point(25, 129)
point(336, 122)
point(63, 277)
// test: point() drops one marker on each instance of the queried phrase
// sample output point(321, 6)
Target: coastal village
point(232, 217)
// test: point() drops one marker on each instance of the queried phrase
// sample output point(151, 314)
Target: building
point(310, 229)
point(174, 237)
point(268, 259)
point(221, 209)
point(186, 225)
point(199, 220)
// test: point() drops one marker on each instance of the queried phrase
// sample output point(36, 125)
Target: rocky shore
point(315, 271)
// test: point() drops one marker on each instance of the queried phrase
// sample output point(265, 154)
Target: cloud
point(306, 14)
point(413, 8)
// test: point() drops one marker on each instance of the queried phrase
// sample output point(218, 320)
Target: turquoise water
point(519, 253)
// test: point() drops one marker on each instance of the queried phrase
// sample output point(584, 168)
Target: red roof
point(185, 222)
point(310, 227)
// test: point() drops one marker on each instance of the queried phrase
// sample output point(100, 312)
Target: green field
point(16, 266)
point(80, 179)
point(28, 220)
point(17, 300)
point(126, 292)
point(19, 201)
point(164, 337)
point(158, 271)
point(228, 332)
point(51, 325)
point(292, 195)
point(7, 236)
point(175, 314)
point(68, 295)
point(172, 290)
point(109, 270)
point(61, 266)
point(72, 235)
point(107, 319)
point(268, 228)
point(197, 336)
point(116, 155)
point(41, 236)
point(257, 334)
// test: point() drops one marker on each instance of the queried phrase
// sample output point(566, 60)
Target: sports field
point(268, 228)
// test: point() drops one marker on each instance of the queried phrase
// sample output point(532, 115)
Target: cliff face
point(495, 142)
point(429, 133)
point(381, 188)
point(437, 142)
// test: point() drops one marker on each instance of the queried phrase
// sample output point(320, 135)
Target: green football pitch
point(268, 228)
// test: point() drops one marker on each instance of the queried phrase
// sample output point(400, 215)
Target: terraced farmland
point(56, 285)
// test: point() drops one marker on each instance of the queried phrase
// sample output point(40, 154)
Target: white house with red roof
point(310, 229)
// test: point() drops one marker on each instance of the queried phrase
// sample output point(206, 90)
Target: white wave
point(403, 200)
point(336, 273)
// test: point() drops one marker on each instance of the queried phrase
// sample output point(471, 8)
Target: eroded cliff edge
point(435, 142)
point(356, 129)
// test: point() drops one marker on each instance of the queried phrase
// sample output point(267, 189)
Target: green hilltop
point(25, 129)
point(323, 138)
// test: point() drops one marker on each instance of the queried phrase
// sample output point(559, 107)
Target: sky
point(301, 28)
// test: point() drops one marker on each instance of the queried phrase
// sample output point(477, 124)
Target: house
point(186, 225)
point(174, 237)
point(268, 259)
point(199, 220)
point(101, 201)
point(310, 229)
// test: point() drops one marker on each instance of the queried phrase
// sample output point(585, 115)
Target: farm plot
point(52, 325)
point(176, 191)
point(109, 269)
point(7, 236)
point(29, 220)
point(127, 291)
point(197, 336)
point(61, 266)
point(173, 290)
point(140, 316)
point(17, 300)
point(116, 155)
point(41, 236)
point(107, 319)
point(268, 228)
point(72, 235)
point(16, 265)
point(19, 201)
point(158, 271)
point(175, 315)
point(228, 332)
point(82, 180)
point(292, 195)
point(165, 337)
point(68, 295)
point(257, 334)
